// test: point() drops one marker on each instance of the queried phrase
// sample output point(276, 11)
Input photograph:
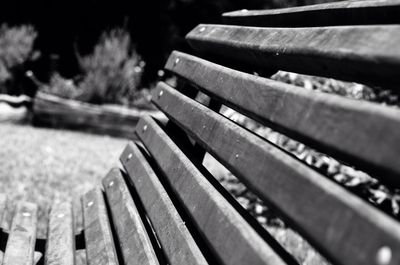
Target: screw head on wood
point(384, 255)
point(160, 93)
point(202, 29)
point(244, 10)
point(89, 204)
point(111, 184)
point(61, 215)
point(237, 156)
point(144, 128)
point(26, 214)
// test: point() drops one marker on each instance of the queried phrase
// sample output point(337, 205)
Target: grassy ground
point(43, 165)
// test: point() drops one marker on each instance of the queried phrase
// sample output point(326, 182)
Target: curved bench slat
point(342, 226)
point(365, 54)
point(100, 248)
point(367, 12)
point(21, 241)
point(358, 132)
point(229, 236)
point(179, 249)
point(60, 247)
point(134, 241)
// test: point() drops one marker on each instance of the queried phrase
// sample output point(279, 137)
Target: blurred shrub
point(16, 48)
point(61, 87)
point(112, 73)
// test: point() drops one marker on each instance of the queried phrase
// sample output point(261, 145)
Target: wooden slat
point(367, 12)
point(8, 214)
point(3, 206)
point(37, 257)
point(60, 248)
point(100, 247)
point(358, 132)
point(21, 241)
point(342, 226)
point(230, 237)
point(179, 249)
point(365, 54)
point(134, 241)
point(80, 257)
point(3, 237)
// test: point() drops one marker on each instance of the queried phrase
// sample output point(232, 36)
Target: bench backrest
point(351, 41)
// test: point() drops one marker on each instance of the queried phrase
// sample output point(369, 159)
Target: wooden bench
point(165, 206)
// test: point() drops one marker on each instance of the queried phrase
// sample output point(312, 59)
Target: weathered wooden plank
point(8, 214)
point(3, 205)
point(365, 54)
point(358, 132)
point(367, 12)
point(341, 225)
point(179, 249)
point(36, 257)
point(229, 236)
point(80, 256)
point(3, 225)
point(21, 241)
point(60, 248)
point(100, 247)
point(134, 241)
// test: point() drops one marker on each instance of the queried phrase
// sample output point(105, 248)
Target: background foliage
point(156, 26)
point(16, 48)
point(110, 74)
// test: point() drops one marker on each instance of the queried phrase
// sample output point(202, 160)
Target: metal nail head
point(384, 255)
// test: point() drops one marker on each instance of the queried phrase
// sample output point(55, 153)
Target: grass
point(44, 165)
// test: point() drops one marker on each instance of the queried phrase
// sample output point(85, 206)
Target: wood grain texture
point(3, 205)
point(342, 226)
point(37, 256)
point(358, 132)
point(21, 241)
point(80, 256)
point(181, 247)
point(8, 214)
point(230, 237)
point(365, 54)
point(60, 247)
point(134, 241)
point(100, 249)
point(367, 12)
